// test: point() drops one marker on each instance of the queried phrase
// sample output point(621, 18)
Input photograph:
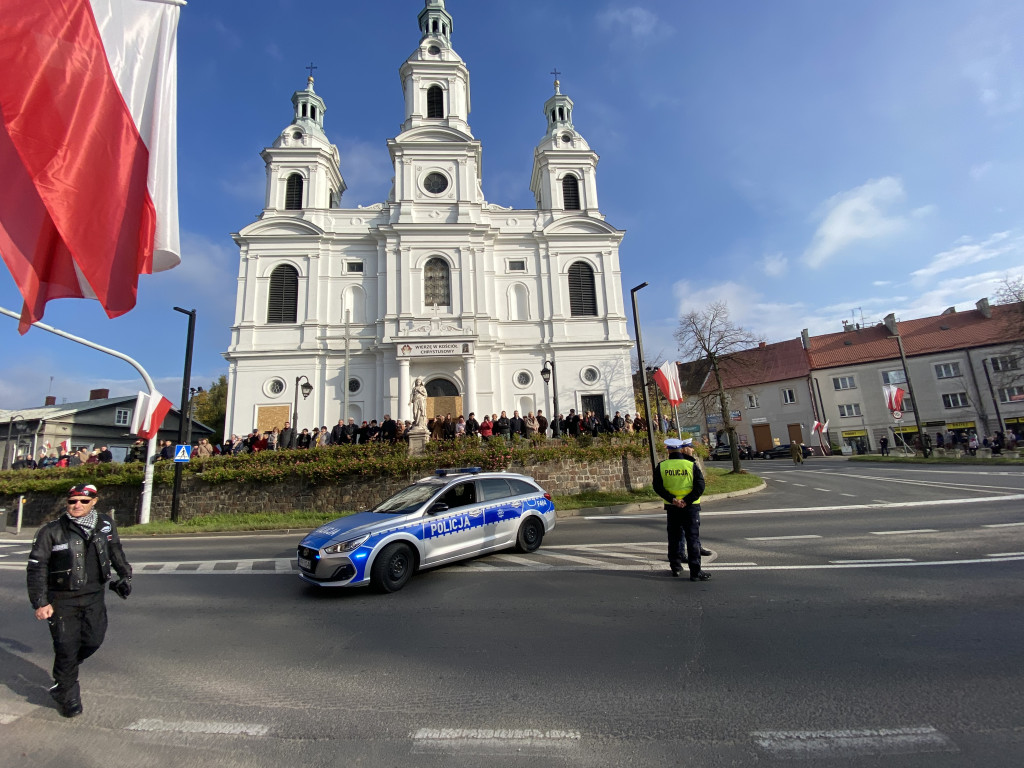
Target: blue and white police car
point(453, 515)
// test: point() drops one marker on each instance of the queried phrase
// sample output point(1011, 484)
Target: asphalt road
point(858, 615)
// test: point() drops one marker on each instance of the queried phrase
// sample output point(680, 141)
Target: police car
point(453, 515)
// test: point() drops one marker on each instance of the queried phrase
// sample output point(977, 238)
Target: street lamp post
point(643, 377)
point(913, 399)
point(186, 379)
point(657, 397)
point(21, 428)
point(307, 390)
point(548, 374)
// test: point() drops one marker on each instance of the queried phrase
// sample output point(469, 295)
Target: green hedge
point(326, 464)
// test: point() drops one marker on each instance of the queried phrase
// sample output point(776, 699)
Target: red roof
point(761, 365)
point(926, 335)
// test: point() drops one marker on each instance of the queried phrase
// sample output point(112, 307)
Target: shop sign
point(934, 424)
point(436, 349)
point(693, 429)
point(735, 416)
point(960, 425)
point(759, 420)
point(904, 430)
point(855, 433)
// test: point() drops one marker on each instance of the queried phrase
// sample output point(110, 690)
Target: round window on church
point(566, 138)
point(590, 375)
point(354, 385)
point(523, 379)
point(433, 50)
point(273, 387)
point(435, 183)
point(297, 135)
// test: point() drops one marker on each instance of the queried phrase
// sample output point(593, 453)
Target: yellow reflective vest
point(677, 477)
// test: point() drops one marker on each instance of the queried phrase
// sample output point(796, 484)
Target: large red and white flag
point(88, 148)
point(893, 397)
point(150, 411)
point(667, 378)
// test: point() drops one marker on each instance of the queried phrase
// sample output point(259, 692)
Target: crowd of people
point(447, 427)
point(53, 458)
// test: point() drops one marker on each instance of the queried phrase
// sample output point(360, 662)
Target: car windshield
point(407, 500)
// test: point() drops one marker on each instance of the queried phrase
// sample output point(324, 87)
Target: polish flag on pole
point(64, 446)
point(893, 397)
point(150, 411)
point(88, 148)
point(667, 378)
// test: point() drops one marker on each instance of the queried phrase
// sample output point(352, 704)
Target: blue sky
point(806, 162)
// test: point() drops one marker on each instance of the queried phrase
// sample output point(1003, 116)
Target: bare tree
point(1011, 295)
point(710, 335)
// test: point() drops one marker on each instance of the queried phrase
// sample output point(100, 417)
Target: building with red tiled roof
point(965, 369)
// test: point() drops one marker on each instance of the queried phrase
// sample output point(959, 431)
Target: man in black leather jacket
point(70, 561)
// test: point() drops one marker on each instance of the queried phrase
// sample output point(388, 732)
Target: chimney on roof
point(890, 324)
point(949, 311)
point(805, 339)
point(761, 345)
point(51, 400)
point(99, 394)
point(984, 308)
point(847, 326)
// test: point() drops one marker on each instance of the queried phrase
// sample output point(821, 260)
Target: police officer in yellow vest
point(679, 481)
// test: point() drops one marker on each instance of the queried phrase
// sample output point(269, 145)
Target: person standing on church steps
point(680, 482)
point(286, 440)
point(338, 433)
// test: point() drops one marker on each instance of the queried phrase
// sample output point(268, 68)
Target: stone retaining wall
point(560, 478)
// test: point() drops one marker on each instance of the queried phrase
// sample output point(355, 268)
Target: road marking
point(492, 741)
point(929, 483)
point(6, 719)
point(832, 508)
point(879, 501)
point(897, 533)
point(877, 560)
point(824, 490)
point(519, 560)
point(868, 741)
point(1001, 525)
point(782, 538)
point(1006, 554)
point(232, 729)
point(799, 485)
point(851, 495)
point(782, 481)
point(575, 559)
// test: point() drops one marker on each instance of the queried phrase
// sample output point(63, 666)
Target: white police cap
point(674, 442)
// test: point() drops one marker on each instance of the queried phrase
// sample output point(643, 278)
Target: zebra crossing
point(648, 556)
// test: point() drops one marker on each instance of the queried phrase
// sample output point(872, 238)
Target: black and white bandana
point(85, 522)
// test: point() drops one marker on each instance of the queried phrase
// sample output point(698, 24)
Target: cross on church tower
point(556, 73)
point(311, 68)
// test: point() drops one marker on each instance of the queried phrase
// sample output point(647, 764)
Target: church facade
point(435, 282)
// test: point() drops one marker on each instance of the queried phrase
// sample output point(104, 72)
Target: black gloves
point(122, 587)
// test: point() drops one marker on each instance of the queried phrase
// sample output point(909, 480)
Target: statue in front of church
point(418, 401)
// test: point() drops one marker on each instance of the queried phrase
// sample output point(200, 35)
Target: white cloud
point(640, 23)
point(858, 214)
point(967, 252)
point(994, 77)
point(747, 308)
point(881, 283)
point(979, 170)
point(774, 264)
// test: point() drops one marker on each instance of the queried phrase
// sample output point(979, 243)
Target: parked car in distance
point(782, 452)
point(722, 452)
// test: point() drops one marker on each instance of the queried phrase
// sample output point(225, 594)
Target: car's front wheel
point(392, 568)
point(531, 533)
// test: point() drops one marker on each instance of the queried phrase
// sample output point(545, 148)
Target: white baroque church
point(435, 282)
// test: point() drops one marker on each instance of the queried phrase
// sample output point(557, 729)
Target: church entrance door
point(443, 398)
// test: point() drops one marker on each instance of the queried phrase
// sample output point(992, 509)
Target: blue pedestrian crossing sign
point(182, 453)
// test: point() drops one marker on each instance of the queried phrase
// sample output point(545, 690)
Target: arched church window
point(435, 102)
point(441, 388)
point(282, 304)
point(570, 193)
point(312, 112)
point(435, 26)
point(293, 193)
point(582, 294)
point(437, 284)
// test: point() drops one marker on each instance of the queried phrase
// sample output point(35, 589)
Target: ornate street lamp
point(307, 390)
point(547, 373)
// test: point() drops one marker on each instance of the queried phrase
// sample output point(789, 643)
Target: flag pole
point(147, 481)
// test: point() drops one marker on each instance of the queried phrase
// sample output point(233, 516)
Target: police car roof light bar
point(457, 471)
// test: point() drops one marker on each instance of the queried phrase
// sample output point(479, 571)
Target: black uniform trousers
point(684, 523)
point(78, 626)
